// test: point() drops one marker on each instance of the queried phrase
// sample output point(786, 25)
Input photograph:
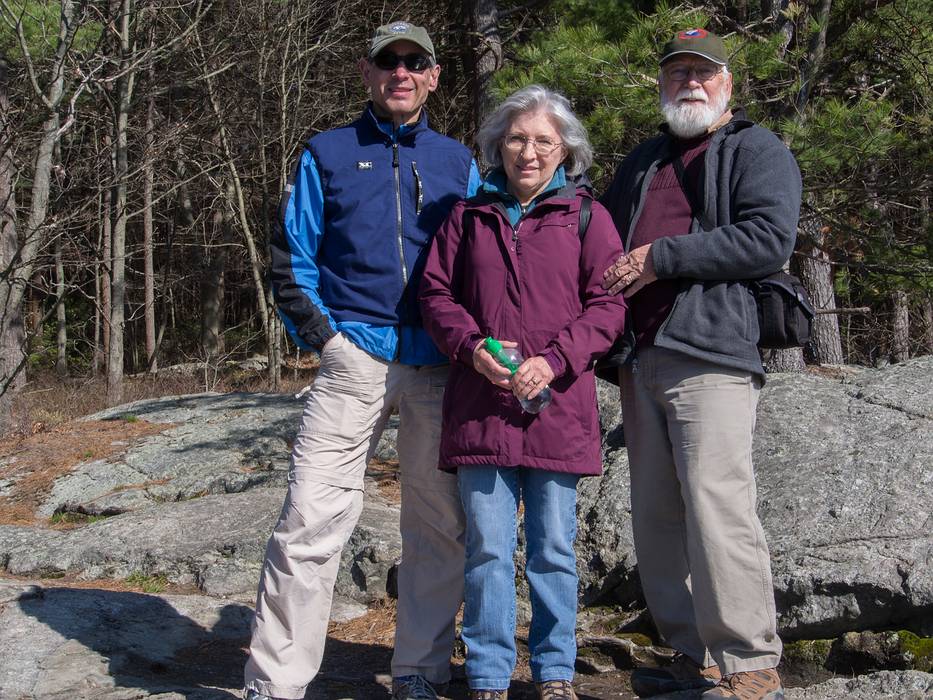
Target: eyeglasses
point(543, 146)
point(703, 72)
point(414, 62)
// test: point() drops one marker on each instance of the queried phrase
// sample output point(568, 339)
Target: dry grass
point(47, 442)
point(48, 401)
point(33, 462)
point(386, 476)
point(377, 626)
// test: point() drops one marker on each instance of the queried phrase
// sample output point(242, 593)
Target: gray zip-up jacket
point(751, 192)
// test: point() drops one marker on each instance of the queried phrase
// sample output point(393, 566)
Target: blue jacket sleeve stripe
point(475, 180)
point(296, 236)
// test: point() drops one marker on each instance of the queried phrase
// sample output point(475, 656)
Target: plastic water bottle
point(511, 358)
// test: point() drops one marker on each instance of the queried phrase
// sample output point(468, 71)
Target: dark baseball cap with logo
point(397, 31)
point(698, 42)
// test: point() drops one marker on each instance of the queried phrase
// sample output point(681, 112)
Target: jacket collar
point(385, 127)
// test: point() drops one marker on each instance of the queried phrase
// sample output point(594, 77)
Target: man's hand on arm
point(630, 272)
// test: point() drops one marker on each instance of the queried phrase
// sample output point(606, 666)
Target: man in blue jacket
point(707, 206)
point(347, 255)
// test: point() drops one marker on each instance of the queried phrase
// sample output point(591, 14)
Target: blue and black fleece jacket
point(349, 243)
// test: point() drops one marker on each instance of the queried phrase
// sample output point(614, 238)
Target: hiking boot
point(555, 690)
point(412, 688)
point(489, 694)
point(683, 673)
point(748, 685)
point(256, 695)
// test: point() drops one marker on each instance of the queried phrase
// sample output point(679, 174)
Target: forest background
point(144, 145)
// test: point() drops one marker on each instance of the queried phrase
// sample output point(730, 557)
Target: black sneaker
point(412, 688)
point(683, 673)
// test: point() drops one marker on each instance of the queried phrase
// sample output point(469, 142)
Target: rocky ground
point(130, 547)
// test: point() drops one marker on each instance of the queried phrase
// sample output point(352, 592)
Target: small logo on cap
point(399, 28)
point(692, 34)
point(364, 165)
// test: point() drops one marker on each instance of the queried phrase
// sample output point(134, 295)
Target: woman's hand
point(531, 377)
point(486, 364)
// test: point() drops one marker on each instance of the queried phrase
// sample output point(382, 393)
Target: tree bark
point(487, 55)
point(20, 264)
point(789, 360)
point(926, 306)
point(238, 202)
point(61, 361)
point(148, 273)
point(125, 86)
point(814, 56)
point(816, 273)
point(106, 251)
point(900, 331)
point(12, 335)
point(212, 282)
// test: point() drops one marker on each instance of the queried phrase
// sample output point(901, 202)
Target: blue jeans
point(490, 498)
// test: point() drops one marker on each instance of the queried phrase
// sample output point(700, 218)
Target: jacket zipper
point(419, 190)
point(398, 212)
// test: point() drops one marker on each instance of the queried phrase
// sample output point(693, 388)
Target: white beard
point(687, 119)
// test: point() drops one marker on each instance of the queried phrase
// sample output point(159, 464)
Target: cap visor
point(717, 61)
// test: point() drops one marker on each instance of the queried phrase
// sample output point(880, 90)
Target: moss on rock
point(918, 651)
point(808, 651)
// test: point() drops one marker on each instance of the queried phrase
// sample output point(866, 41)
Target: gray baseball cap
point(397, 31)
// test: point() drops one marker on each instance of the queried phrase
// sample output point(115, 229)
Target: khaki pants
point(344, 416)
point(702, 555)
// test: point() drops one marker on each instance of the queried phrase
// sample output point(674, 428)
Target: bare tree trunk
point(61, 362)
point(275, 355)
point(926, 306)
point(21, 260)
point(97, 358)
point(814, 58)
point(148, 274)
point(12, 335)
point(926, 300)
point(487, 55)
point(118, 283)
point(900, 340)
point(212, 283)
point(789, 360)
point(816, 272)
point(106, 255)
point(238, 202)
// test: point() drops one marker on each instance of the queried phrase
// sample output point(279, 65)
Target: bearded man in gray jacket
point(704, 208)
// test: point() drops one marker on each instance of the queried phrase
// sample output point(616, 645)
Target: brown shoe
point(555, 690)
point(683, 673)
point(748, 685)
point(489, 695)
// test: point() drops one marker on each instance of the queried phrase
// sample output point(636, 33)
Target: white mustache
point(688, 94)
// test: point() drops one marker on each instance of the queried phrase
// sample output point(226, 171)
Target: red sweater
point(666, 213)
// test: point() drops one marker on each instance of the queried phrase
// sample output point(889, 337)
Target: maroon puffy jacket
point(538, 285)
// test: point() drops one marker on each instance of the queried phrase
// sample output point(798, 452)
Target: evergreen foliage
point(857, 116)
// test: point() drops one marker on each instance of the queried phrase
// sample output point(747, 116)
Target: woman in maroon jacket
point(511, 263)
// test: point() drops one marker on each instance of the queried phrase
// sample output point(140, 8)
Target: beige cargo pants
point(346, 411)
point(702, 555)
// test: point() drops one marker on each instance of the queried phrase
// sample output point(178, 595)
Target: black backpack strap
point(586, 208)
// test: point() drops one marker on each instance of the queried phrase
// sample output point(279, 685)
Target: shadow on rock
point(185, 644)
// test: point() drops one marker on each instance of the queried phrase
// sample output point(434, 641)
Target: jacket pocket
point(474, 420)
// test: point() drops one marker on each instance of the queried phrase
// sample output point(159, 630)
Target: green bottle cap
point(493, 345)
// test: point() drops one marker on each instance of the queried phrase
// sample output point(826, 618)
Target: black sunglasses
point(415, 62)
